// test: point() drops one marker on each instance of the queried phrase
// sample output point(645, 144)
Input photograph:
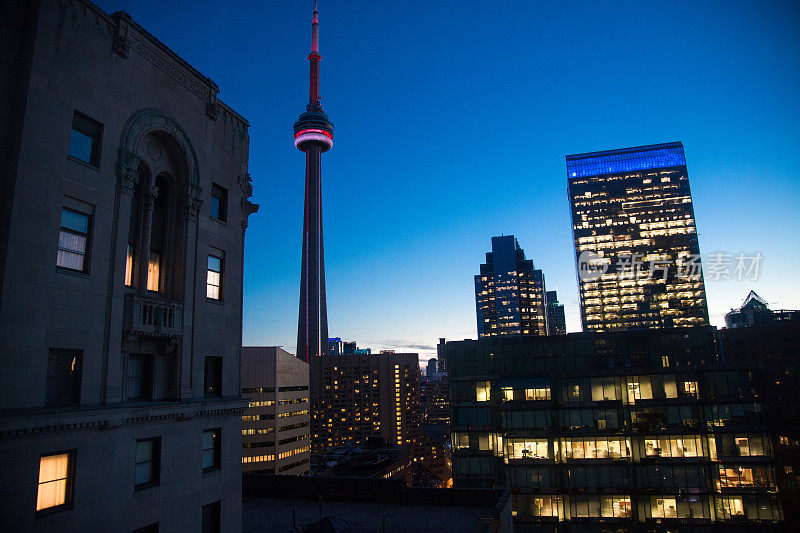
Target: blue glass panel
point(75, 221)
point(625, 160)
point(80, 146)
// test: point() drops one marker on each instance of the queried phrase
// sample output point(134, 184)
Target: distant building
point(431, 369)
point(509, 292)
point(660, 428)
point(123, 211)
point(335, 346)
point(635, 238)
point(755, 311)
point(275, 426)
point(285, 504)
point(363, 398)
point(556, 321)
point(349, 348)
point(435, 443)
point(440, 355)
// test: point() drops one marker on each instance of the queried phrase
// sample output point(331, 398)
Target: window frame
point(82, 124)
point(214, 511)
point(69, 490)
point(148, 375)
point(218, 361)
point(87, 247)
point(220, 255)
point(75, 393)
point(216, 449)
point(219, 193)
point(155, 464)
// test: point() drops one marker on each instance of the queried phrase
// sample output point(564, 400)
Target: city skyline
point(403, 245)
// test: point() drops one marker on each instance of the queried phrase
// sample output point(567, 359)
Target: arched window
point(159, 243)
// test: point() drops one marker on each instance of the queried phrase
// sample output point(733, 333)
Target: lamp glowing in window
point(55, 481)
point(482, 391)
point(129, 267)
point(154, 271)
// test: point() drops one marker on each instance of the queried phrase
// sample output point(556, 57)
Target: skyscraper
point(556, 321)
point(313, 134)
point(635, 239)
point(509, 292)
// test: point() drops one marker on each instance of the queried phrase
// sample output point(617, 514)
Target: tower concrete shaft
point(313, 134)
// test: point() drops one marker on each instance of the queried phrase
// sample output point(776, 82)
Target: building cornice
point(29, 422)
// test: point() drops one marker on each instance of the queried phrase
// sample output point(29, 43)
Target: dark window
point(148, 462)
point(211, 449)
point(211, 517)
point(56, 476)
point(213, 377)
point(84, 141)
point(216, 260)
point(140, 377)
point(219, 202)
point(73, 240)
point(64, 377)
point(152, 528)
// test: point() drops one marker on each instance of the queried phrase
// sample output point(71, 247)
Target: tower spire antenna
point(314, 58)
point(315, 30)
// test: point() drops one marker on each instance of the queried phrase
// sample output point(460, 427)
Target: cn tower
point(313, 134)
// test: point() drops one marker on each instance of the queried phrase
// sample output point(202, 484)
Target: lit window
point(537, 394)
point(214, 280)
point(483, 391)
point(690, 388)
point(664, 508)
point(56, 473)
point(211, 449)
point(84, 141)
point(129, 266)
point(72, 240)
point(148, 454)
point(154, 271)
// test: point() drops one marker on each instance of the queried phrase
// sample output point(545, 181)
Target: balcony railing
point(153, 316)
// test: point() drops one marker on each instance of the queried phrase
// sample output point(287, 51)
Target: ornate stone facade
point(153, 330)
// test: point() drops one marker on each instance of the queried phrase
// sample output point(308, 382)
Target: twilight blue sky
point(452, 122)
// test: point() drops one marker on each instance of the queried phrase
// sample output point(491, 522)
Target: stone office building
point(124, 203)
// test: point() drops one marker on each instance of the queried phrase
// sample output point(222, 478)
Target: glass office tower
point(635, 239)
point(509, 292)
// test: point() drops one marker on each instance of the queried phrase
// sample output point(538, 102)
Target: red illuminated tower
point(313, 134)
